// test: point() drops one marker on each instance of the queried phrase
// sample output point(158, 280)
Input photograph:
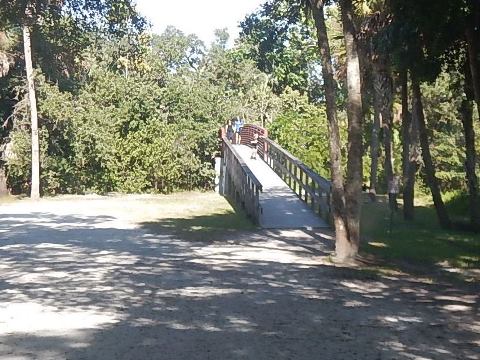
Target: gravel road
point(86, 278)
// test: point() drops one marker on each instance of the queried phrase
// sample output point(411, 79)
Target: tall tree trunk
point(408, 154)
point(35, 187)
point(473, 60)
point(383, 86)
point(472, 35)
point(338, 192)
point(432, 180)
point(470, 163)
point(353, 185)
point(387, 123)
point(375, 142)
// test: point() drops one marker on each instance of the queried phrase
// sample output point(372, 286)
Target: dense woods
point(361, 91)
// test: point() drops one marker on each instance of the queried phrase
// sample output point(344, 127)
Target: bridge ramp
point(281, 207)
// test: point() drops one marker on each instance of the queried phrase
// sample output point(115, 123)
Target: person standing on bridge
point(238, 125)
point(254, 143)
point(229, 130)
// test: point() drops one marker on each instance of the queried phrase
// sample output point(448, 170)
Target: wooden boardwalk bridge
point(276, 190)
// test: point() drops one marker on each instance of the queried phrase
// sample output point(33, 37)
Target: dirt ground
point(116, 278)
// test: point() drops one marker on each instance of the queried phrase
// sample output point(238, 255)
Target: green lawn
point(421, 241)
point(202, 216)
point(4, 199)
point(196, 216)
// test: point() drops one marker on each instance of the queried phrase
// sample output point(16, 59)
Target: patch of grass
point(6, 199)
point(457, 204)
point(421, 241)
point(197, 217)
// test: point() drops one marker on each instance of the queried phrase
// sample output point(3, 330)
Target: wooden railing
point(238, 182)
point(308, 185)
point(248, 132)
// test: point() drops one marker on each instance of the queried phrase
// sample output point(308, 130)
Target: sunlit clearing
point(395, 319)
point(31, 317)
point(378, 244)
point(365, 288)
point(200, 291)
point(454, 307)
point(241, 325)
point(228, 255)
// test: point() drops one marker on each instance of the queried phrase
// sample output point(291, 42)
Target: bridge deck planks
point(281, 207)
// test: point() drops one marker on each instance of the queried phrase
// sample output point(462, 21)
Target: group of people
point(233, 130)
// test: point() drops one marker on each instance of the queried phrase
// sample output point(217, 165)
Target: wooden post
point(313, 196)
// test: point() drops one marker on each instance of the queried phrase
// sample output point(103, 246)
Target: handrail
point(242, 163)
point(319, 179)
point(240, 184)
point(308, 185)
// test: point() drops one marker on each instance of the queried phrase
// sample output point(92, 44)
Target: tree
point(432, 180)
point(470, 163)
point(280, 39)
point(353, 184)
point(375, 141)
point(177, 51)
point(338, 192)
point(302, 128)
point(421, 33)
point(373, 35)
point(120, 17)
point(472, 35)
point(466, 114)
point(154, 130)
point(409, 161)
point(8, 44)
point(346, 197)
point(35, 181)
point(27, 13)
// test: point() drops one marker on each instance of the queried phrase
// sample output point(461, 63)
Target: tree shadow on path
point(83, 287)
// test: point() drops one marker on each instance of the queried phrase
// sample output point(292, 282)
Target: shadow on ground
point(83, 287)
point(201, 228)
point(420, 246)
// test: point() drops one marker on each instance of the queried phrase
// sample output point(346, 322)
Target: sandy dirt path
point(82, 278)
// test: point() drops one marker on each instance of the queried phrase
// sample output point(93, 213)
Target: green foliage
point(138, 126)
point(421, 34)
point(302, 130)
point(442, 102)
point(112, 136)
point(281, 41)
point(457, 203)
point(178, 51)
